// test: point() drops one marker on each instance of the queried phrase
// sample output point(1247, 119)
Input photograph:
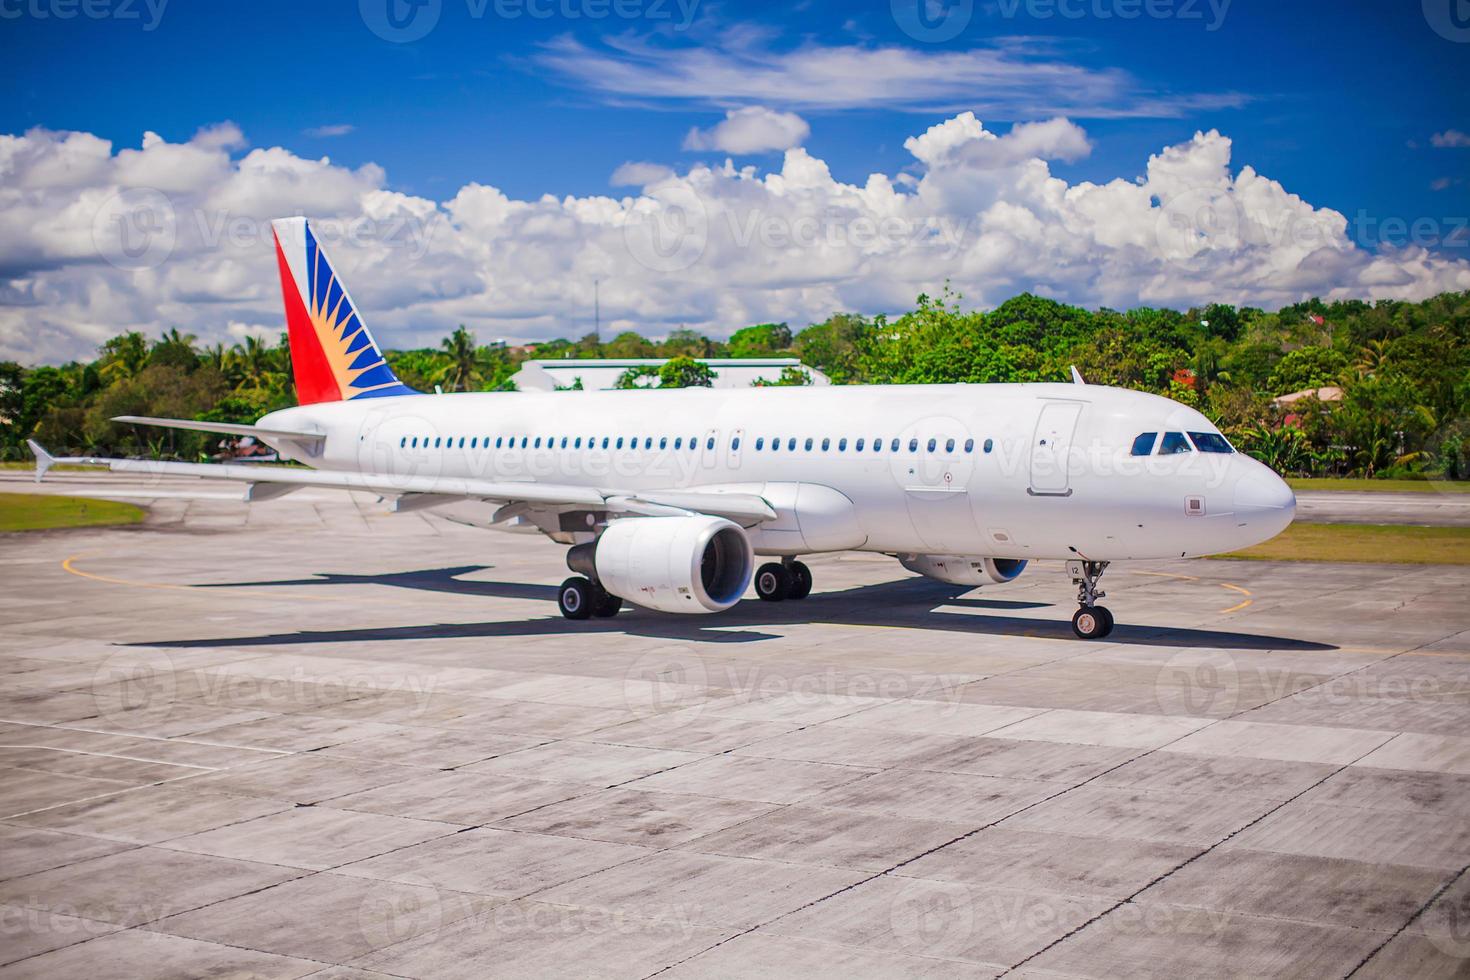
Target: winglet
point(1077, 376)
point(44, 460)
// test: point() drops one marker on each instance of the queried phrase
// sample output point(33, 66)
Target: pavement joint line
point(106, 755)
point(97, 796)
point(1188, 861)
point(149, 738)
point(1449, 883)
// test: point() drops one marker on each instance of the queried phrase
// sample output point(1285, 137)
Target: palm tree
point(123, 357)
point(463, 370)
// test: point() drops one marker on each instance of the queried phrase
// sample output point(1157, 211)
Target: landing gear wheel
point(772, 582)
point(607, 606)
point(576, 598)
point(1092, 622)
point(801, 580)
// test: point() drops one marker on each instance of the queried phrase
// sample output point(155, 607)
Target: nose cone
point(1264, 504)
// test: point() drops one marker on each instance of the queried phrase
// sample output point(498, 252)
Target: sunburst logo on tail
point(333, 355)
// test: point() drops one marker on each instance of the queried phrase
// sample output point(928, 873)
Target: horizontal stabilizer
point(226, 428)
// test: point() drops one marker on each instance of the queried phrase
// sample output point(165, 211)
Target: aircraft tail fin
point(333, 356)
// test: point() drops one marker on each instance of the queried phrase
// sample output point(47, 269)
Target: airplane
point(665, 497)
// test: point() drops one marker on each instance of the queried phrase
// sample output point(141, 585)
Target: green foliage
point(1307, 367)
point(761, 340)
point(790, 377)
point(1404, 369)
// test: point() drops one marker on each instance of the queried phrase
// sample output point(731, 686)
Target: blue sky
point(485, 162)
point(1337, 101)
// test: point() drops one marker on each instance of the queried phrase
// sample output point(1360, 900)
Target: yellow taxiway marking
point(1195, 578)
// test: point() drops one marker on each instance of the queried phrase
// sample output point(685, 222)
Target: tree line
point(1397, 373)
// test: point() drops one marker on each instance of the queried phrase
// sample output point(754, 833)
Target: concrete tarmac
point(311, 738)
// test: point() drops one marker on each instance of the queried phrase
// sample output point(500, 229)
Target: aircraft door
point(1051, 447)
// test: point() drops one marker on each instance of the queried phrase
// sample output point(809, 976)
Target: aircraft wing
point(266, 482)
point(227, 428)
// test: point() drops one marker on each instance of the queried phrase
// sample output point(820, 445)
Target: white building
point(730, 372)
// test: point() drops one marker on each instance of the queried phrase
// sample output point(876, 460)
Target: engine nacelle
point(959, 570)
point(675, 564)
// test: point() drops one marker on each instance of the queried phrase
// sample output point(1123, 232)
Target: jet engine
point(692, 564)
point(958, 570)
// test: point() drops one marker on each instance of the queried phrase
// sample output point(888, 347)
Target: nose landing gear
point(1091, 622)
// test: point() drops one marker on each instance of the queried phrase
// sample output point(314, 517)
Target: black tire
point(607, 605)
point(576, 598)
point(1092, 622)
point(801, 581)
point(772, 582)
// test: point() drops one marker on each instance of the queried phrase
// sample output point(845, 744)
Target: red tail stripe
point(314, 380)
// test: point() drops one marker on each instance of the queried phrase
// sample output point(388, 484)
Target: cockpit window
point(1144, 444)
point(1174, 442)
point(1211, 442)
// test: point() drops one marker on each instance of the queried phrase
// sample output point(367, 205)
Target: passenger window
point(461, 442)
point(735, 444)
point(663, 442)
point(949, 446)
point(809, 445)
point(842, 445)
point(969, 446)
point(893, 446)
point(604, 442)
point(760, 444)
point(826, 445)
point(913, 445)
point(1211, 442)
point(648, 443)
point(620, 442)
point(415, 442)
point(679, 442)
point(1144, 444)
point(578, 443)
point(776, 444)
point(858, 446)
point(791, 444)
point(989, 445)
point(710, 443)
point(932, 444)
point(525, 441)
point(1173, 444)
point(437, 441)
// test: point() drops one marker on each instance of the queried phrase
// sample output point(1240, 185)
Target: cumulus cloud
point(1450, 138)
point(637, 173)
point(327, 132)
point(1013, 78)
point(96, 239)
point(753, 129)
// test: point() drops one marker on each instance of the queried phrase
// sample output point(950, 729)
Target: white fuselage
point(1003, 471)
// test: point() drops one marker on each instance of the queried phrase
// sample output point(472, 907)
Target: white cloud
point(636, 173)
point(1450, 138)
point(1013, 79)
point(95, 240)
point(327, 132)
point(753, 129)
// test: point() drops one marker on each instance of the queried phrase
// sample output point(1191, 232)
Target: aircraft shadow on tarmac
point(908, 603)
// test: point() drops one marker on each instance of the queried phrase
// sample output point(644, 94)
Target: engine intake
point(959, 570)
point(674, 564)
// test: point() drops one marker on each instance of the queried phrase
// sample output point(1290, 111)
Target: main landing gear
point(582, 598)
point(1091, 622)
point(783, 580)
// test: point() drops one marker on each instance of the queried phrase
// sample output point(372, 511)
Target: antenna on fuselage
point(1077, 376)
